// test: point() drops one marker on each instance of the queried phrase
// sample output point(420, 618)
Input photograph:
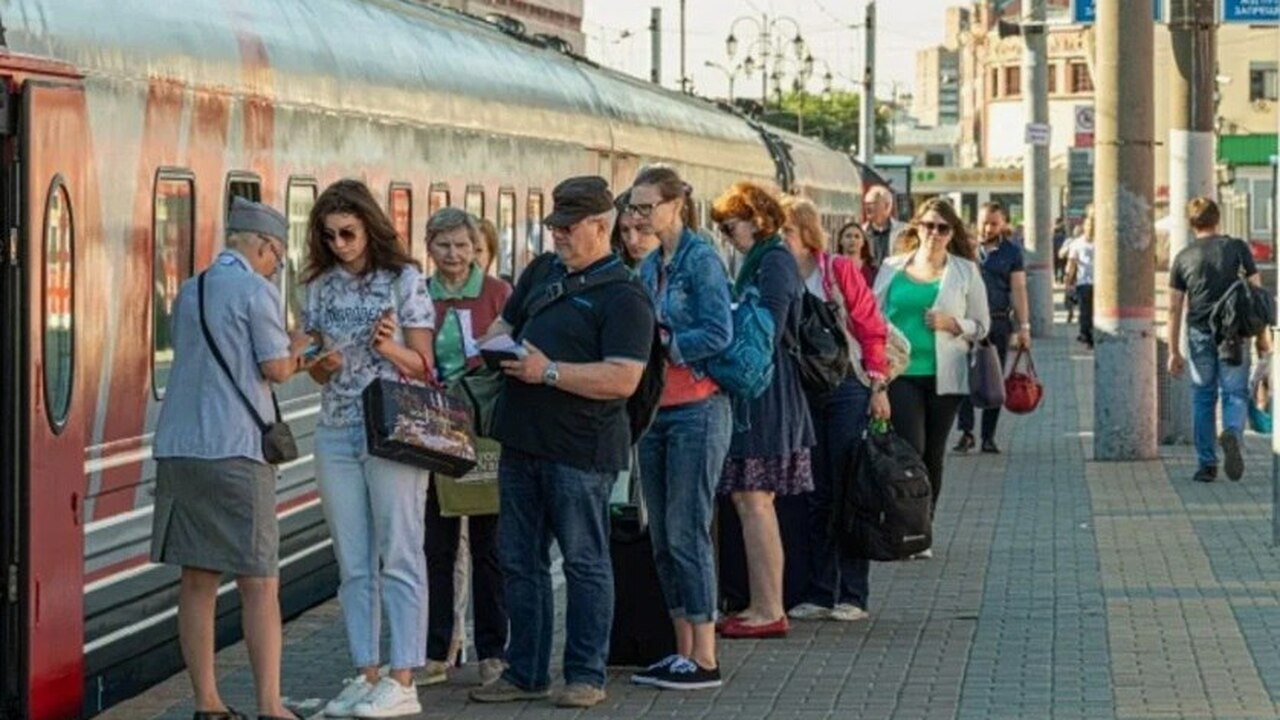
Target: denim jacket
point(694, 306)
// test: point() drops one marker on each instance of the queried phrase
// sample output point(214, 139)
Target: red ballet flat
point(736, 628)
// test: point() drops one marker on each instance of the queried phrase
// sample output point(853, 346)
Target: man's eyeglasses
point(644, 210)
point(345, 234)
point(271, 245)
point(941, 228)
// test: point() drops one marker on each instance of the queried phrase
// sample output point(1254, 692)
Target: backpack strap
point(548, 294)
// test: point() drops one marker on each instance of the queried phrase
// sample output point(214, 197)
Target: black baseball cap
point(577, 198)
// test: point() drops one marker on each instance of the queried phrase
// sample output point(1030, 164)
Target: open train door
point(43, 414)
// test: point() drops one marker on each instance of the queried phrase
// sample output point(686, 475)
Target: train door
point(43, 470)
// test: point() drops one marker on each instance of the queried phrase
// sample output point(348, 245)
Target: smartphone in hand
point(499, 348)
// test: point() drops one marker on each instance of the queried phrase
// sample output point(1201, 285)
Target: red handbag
point(1022, 389)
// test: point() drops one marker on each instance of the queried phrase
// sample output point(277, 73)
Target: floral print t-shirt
point(345, 307)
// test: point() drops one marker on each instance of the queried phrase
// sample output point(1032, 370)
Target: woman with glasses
point(369, 299)
point(633, 235)
point(935, 295)
point(683, 453)
point(838, 586)
point(852, 243)
point(770, 456)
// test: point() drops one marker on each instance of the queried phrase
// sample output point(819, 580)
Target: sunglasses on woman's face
point(939, 227)
point(345, 234)
point(727, 226)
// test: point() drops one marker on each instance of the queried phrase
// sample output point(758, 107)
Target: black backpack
point(821, 348)
point(883, 508)
point(643, 404)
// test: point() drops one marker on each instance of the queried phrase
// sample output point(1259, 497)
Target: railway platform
point(1061, 588)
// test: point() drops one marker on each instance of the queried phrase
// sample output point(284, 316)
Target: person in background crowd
point(683, 453)
point(370, 297)
point(215, 504)
point(882, 228)
point(853, 245)
point(634, 236)
point(1080, 253)
point(934, 294)
point(1059, 239)
point(772, 455)
point(466, 302)
point(487, 246)
point(562, 421)
point(1005, 277)
point(1201, 274)
point(838, 587)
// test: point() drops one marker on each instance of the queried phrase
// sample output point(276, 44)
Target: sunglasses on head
point(346, 234)
point(940, 227)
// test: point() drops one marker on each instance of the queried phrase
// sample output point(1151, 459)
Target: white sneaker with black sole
point(685, 674)
point(848, 612)
point(809, 611)
point(389, 699)
point(649, 674)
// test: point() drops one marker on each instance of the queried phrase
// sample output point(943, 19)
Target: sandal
point(229, 714)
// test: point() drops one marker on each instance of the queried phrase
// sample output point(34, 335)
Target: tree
point(833, 119)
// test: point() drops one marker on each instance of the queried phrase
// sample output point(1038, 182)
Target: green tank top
point(905, 305)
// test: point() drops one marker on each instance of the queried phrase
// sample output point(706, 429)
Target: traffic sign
point(1038, 134)
point(1251, 12)
point(1084, 125)
point(1085, 12)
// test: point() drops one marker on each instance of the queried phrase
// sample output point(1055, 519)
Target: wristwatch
point(551, 375)
point(878, 386)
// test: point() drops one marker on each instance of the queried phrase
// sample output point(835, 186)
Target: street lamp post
point(730, 75)
point(767, 31)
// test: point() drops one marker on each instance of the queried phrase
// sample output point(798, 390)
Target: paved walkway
point(1062, 588)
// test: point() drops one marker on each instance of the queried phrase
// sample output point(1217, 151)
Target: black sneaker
point(685, 674)
point(1206, 474)
point(989, 447)
point(654, 671)
point(1232, 458)
point(964, 444)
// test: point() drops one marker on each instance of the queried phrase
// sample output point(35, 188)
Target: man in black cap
point(215, 505)
point(584, 325)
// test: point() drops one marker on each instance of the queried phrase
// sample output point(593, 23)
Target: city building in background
point(561, 18)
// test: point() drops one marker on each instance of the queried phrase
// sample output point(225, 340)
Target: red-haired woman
point(770, 457)
point(838, 586)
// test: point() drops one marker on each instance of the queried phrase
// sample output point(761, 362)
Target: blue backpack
point(745, 368)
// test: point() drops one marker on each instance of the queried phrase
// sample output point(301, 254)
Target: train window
point(533, 237)
point(508, 264)
point(243, 185)
point(173, 222)
point(300, 197)
point(400, 207)
point(474, 202)
point(59, 304)
point(439, 199)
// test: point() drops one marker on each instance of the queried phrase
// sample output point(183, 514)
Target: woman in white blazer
point(934, 294)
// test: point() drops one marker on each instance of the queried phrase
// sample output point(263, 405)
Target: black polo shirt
point(606, 322)
point(998, 266)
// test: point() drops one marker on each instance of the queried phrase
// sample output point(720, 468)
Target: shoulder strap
point(572, 285)
point(222, 363)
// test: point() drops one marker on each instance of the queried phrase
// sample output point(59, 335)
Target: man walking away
point(586, 326)
point(215, 508)
point(1005, 276)
point(882, 228)
point(1201, 274)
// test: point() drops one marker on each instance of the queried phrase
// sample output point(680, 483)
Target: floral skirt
point(785, 475)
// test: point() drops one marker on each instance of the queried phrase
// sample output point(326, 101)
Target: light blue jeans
point(1209, 377)
point(375, 512)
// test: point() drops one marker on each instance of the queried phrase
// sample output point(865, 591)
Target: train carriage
point(125, 129)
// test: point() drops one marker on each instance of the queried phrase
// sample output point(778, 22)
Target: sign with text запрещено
point(1251, 12)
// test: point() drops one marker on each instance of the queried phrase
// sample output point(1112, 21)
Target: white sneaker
point(355, 690)
point(848, 612)
point(809, 611)
point(388, 699)
point(923, 555)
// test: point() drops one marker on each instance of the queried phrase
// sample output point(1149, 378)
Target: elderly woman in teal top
point(466, 303)
point(935, 295)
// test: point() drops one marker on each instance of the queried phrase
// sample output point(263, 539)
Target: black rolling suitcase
point(642, 633)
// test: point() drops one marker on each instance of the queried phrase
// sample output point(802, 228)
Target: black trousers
point(488, 603)
point(1085, 293)
point(1001, 331)
point(924, 418)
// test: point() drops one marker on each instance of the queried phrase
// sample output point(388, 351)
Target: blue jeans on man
point(681, 457)
point(542, 500)
point(839, 419)
point(1211, 377)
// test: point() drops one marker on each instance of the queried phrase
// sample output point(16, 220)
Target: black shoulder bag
point(278, 445)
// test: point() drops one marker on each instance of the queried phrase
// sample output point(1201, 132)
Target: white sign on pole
point(1038, 134)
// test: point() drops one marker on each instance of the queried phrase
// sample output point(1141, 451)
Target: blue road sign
point(1251, 12)
point(1085, 12)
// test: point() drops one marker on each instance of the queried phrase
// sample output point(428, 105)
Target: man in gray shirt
point(215, 494)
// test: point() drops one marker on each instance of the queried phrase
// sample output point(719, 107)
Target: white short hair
point(880, 192)
point(610, 217)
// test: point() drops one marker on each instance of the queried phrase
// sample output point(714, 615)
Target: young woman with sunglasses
point(370, 298)
point(935, 295)
point(772, 456)
point(683, 453)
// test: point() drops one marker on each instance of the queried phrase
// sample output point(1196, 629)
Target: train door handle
point(75, 508)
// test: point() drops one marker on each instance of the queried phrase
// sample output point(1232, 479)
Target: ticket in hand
point(499, 348)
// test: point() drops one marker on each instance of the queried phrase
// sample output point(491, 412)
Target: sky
point(618, 36)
